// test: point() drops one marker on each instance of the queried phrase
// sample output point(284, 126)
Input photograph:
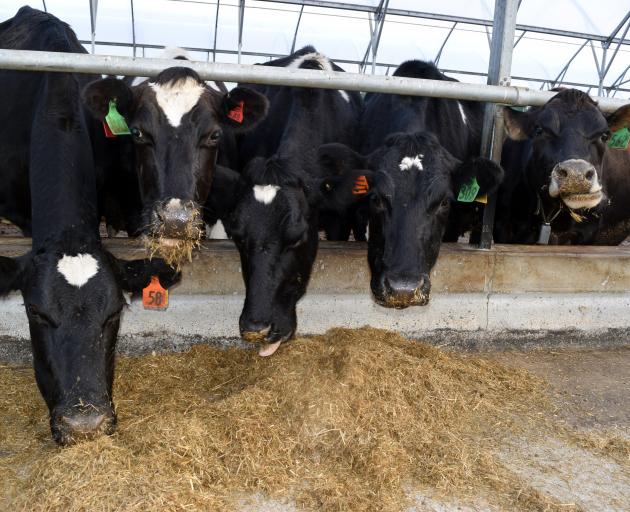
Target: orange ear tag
point(236, 114)
point(361, 186)
point(154, 296)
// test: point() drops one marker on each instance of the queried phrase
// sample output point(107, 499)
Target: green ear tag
point(115, 121)
point(469, 191)
point(620, 139)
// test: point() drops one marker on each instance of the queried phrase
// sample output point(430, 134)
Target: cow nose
point(176, 218)
point(572, 176)
point(74, 426)
point(254, 331)
point(405, 291)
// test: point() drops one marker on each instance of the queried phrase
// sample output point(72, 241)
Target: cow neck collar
point(540, 210)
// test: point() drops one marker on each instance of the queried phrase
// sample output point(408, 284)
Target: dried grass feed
point(175, 251)
point(348, 421)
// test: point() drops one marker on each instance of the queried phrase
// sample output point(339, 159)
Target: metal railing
point(25, 60)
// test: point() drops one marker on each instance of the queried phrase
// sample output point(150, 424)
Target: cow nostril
point(562, 173)
point(589, 175)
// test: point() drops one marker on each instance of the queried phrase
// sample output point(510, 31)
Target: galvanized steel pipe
point(25, 60)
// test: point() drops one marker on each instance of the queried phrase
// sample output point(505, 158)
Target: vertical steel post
point(241, 18)
point(93, 10)
point(499, 71)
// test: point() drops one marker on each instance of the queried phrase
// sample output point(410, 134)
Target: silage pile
point(347, 421)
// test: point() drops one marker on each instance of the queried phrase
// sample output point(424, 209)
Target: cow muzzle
point(263, 333)
point(401, 292)
point(576, 183)
point(176, 229)
point(76, 424)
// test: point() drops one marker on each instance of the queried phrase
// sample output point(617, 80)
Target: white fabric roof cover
point(344, 34)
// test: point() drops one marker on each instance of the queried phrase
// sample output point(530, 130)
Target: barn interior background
point(575, 43)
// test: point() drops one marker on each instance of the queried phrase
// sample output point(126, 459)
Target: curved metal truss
point(609, 53)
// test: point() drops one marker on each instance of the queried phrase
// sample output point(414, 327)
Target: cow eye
point(538, 130)
point(215, 135)
point(40, 317)
point(605, 136)
point(445, 202)
point(136, 133)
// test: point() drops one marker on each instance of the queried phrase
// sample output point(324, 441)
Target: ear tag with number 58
point(154, 296)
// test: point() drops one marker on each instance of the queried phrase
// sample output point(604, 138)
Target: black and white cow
point(71, 286)
point(559, 171)
point(275, 218)
point(416, 157)
point(177, 123)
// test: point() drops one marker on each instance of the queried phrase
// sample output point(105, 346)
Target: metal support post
point(499, 71)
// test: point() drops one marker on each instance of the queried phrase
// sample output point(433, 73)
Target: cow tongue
point(268, 349)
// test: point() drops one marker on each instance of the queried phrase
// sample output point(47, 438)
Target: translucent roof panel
point(455, 30)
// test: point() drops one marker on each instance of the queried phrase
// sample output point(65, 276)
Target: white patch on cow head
point(265, 193)
point(461, 111)
point(411, 161)
point(174, 52)
point(177, 98)
point(78, 269)
point(323, 63)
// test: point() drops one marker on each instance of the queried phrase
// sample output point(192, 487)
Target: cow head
point(275, 230)
point(73, 299)
point(176, 123)
point(412, 181)
point(568, 139)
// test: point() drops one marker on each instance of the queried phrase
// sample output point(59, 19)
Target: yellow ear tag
point(482, 199)
point(154, 296)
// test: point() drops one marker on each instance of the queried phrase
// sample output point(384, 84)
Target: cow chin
point(583, 201)
point(70, 427)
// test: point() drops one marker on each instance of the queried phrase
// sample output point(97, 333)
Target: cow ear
point(135, 275)
point(97, 95)
point(619, 119)
point(338, 192)
point(243, 108)
point(338, 159)
point(10, 274)
point(517, 123)
point(488, 176)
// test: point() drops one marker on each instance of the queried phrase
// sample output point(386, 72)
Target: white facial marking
point(265, 193)
point(217, 232)
point(324, 64)
point(411, 161)
point(174, 52)
point(78, 269)
point(177, 98)
point(461, 111)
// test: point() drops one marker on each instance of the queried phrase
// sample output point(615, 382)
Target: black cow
point(71, 286)
point(456, 124)
point(417, 159)
point(275, 218)
point(560, 172)
point(176, 122)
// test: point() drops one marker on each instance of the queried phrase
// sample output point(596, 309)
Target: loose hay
point(347, 421)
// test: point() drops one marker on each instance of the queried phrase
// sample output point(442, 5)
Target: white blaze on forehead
point(78, 269)
point(411, 161)
point(461, 111)
point(265, 193)
point(177, 98)
point(324, 63)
